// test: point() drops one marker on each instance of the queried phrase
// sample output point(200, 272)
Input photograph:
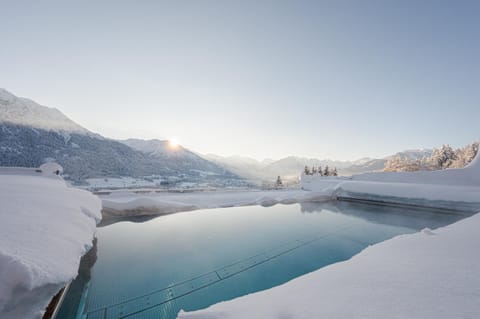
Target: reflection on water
point(192, 260)
point(414, 218)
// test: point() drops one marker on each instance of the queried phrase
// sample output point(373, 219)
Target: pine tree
point(326, 172)
point(279, 182)
point(444, 157)
point(306, 171)
point(470, 152)
point(334, 173)
point(320, 171)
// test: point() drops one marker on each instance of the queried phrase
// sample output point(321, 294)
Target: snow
point(455, 185)
point(45, 228)
point(468, 176)
point(411, 276)
point(26, 112)
point(122, 182)
point(128, 203)
point(51, 168)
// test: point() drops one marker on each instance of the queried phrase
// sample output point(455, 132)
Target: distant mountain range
point(290, 167)
point(31, 134)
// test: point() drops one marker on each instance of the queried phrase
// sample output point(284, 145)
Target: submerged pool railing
point(153, 300)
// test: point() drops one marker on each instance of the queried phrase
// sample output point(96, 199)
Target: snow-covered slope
point(413, 154)
point(449, 188)
point(25, 112)
point(468, 176)
point(175, 155)
point(153, 147)
point(45, 227)
point(243, 166)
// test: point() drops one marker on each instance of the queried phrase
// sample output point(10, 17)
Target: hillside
point(31, 134)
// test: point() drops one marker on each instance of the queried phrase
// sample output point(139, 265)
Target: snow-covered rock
point(45, 227)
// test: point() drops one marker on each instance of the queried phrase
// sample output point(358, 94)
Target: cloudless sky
point(266, 79)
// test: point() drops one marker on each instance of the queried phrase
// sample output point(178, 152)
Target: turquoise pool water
point(194, 259)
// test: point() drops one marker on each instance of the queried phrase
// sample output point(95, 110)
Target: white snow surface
point(447, 185)
point(22, 111)
point(45, 227)
point(430, 274)
point(129, 203)
point(468, 176)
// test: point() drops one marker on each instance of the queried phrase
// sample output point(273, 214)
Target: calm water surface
point(194, 259)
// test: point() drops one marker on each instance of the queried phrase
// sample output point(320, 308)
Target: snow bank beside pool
point(468, 176)
point(126, 203)
point(455, 185)
point(423, 275)
point(339, 187)
point(45, 227)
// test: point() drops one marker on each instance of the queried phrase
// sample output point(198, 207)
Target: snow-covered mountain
point(176, 155)
point(31, 134)
point(364, 166)
point(413, 154)
point(21, 111)
point(246, 167)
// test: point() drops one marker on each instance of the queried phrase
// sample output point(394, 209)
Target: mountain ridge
point(31, 134)
point(23, 111)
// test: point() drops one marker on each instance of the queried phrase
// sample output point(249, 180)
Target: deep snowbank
point(468, 176)
point(423, 275)
point(45, 227)
point(127, 203)
point(455, 185)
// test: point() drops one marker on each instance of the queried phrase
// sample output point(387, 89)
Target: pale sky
point(265, 79)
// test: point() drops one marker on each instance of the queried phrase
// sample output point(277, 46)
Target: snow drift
point(453, 185)
point(127, 203)
point(45, 228)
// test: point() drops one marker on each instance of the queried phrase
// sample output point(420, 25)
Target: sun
point(173, 143)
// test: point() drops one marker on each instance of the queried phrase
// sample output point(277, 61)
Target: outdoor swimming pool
point(194, 259)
